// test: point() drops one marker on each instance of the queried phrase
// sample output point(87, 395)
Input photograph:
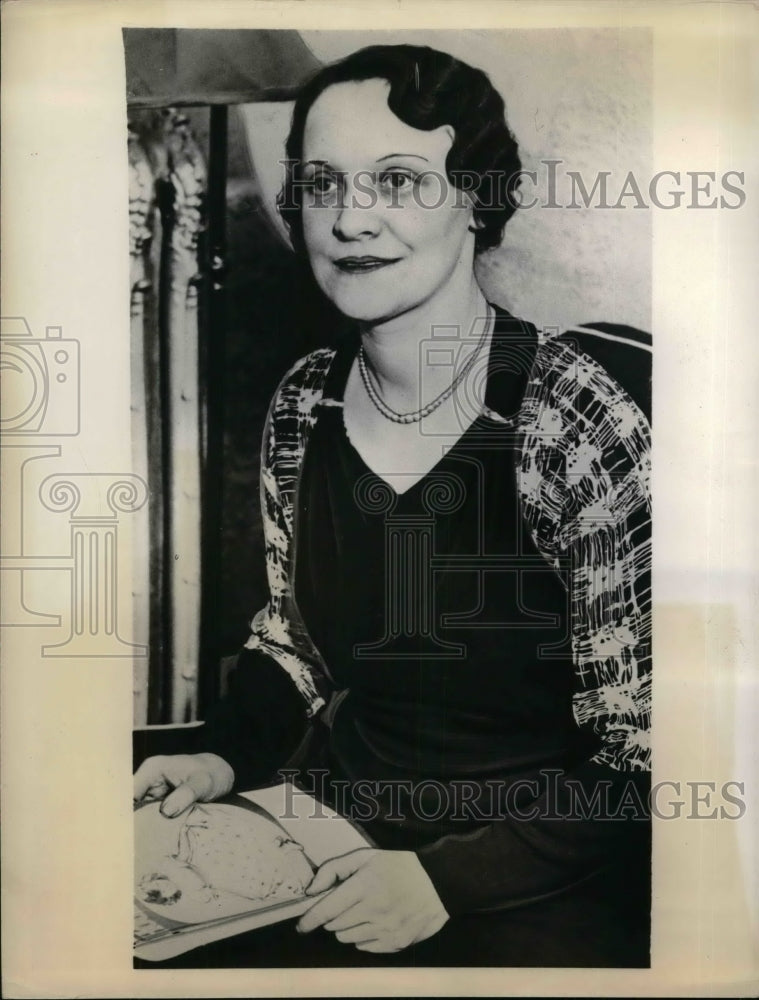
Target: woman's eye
point(396, 180)
point(322, 183)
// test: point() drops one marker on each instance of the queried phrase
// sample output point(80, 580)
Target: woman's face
point(383, 227)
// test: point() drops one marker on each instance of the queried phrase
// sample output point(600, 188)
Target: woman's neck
point(395, 349)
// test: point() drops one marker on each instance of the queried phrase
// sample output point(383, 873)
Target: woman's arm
point(258, 724)
point(279, 681)
point(585, 492)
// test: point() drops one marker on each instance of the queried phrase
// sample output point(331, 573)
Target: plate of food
point(214, 861)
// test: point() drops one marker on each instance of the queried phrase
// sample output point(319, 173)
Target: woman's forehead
point(350, 126)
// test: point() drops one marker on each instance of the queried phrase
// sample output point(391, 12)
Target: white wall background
point(582, 96)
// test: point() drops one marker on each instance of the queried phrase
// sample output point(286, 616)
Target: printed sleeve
point(278, 683)
point(276, 630)
point(607, 539)
point(585, 490)
point(586, 493)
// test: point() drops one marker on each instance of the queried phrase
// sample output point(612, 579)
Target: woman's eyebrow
point(389, 156)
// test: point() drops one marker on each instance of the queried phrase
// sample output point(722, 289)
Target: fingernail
point(170, 813)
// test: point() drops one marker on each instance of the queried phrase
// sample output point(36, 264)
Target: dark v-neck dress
point(446, 634)
point(435, 610)
point(449, 633)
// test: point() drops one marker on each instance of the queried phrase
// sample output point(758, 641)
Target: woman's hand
point(383, 901)
point(181, 779)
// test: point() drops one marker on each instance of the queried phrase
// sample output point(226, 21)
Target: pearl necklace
point(414, 416)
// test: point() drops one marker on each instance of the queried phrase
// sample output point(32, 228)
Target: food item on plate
point(220, 848)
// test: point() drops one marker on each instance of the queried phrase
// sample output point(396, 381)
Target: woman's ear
point(475, 224)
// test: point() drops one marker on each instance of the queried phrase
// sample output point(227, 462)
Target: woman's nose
point(358, 215)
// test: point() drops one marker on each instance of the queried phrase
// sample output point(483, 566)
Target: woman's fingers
point(387, 904)
point(193, 777)
point(180, 799)
point(157, 790)
point(360, 934)
point(338, 870)
point(150, 779)
point(348, 918)
point(377, 946)
point(331, 906)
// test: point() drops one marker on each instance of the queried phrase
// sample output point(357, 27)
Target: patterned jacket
point(583, 479)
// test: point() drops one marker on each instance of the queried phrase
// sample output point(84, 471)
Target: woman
point(458, 644)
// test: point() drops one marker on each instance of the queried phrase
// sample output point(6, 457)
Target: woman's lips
point(361, 265)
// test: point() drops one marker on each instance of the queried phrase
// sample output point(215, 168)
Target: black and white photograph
point(410, 303)
point(384, 531)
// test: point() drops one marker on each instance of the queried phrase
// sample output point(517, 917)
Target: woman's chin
point(367, 308)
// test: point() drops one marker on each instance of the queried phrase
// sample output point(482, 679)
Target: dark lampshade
point(182, 66)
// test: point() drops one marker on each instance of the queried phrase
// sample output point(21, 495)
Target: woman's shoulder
point(624, 352)
point(311, 368)
point(607, 357)
point(302, 384)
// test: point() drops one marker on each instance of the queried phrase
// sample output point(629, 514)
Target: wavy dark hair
point(428, 89)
